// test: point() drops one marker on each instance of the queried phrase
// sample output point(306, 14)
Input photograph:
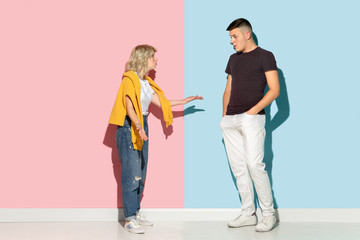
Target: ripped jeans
point(133, 168)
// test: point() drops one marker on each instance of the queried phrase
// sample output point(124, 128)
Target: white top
point(146, 94)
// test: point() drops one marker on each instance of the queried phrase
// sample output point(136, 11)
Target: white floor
point(176, 230)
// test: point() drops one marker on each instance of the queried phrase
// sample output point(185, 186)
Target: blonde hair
point(139, 58)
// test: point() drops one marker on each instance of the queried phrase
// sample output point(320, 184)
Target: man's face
point(238, 39)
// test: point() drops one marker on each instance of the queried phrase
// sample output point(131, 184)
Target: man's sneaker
point(266, 224)
point(142, 220)
point(242, 221)
point(134, 227)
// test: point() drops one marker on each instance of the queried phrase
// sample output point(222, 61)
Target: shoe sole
point(247, 225)
point(259, 230)
point(141, 224)
point(135, 232)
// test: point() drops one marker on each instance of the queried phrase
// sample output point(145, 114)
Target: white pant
point(244, 137)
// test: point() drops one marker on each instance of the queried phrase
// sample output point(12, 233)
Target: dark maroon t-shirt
point(248, 79)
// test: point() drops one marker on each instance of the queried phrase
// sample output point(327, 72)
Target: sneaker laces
point(140, 216)
point(238, 217)
point(134, 223)
point(266, 220)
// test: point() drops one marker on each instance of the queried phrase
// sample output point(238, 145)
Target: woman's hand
point(141, 132)
point(192, 98)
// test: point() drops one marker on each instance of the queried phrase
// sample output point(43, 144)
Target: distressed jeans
point(244, 137)
point(133, 168)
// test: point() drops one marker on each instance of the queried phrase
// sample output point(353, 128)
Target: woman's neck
point(142, 74)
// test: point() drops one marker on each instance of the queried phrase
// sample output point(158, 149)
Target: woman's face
point(152, 62)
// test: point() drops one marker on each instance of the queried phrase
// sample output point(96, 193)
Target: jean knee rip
point(135, 184)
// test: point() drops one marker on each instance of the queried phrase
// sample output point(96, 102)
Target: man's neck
point(251, 46)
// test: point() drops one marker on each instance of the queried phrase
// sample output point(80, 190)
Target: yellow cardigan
point(130, 86)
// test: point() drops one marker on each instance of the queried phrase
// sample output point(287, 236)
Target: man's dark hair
point(240, 22)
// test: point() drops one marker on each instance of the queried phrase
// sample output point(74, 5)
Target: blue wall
point(313, 135)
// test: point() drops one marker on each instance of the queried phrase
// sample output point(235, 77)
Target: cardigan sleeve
point(128, 90)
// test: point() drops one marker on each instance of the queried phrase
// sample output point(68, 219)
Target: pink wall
point(61, 65)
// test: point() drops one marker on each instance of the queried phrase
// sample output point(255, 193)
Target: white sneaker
point(142, 220)
point(266, 224)
point(242, 221)
point(134, 227)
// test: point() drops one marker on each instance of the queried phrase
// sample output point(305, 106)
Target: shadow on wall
point(159, 115)
point(157, 112)
point(283, 113)
point(109, 141)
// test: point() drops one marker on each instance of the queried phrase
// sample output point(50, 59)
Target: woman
point(137, 91)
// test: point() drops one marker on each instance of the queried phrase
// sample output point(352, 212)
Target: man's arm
point(272, 79)
point(227, 92)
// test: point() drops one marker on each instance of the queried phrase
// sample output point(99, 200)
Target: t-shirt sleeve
point(228, 67)
point(269, 62)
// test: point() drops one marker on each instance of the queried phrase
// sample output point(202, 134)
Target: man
point(243, 122)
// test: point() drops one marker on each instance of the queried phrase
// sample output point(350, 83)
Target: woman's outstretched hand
point(192, 98)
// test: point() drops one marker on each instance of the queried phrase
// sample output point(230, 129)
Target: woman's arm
point(155, 100)
point(185, 100)
point(132, 114)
